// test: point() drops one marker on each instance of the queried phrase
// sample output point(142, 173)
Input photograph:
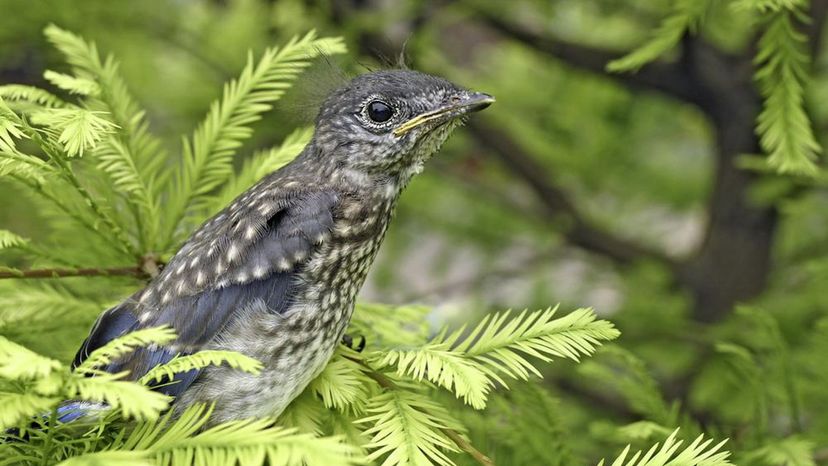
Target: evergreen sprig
point(10, 240)
point(184, 441)
point(469, 365)
point(785, 131)
point(783, 125)
point(30, 94)
point(180, 364)
point(94, 167)
point(793, 451)
point(126, 344)
point(685, 17)
point(698, 453)
point(406, 430)
point(38, 384)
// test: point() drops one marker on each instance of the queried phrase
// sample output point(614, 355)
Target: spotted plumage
point(276, 273)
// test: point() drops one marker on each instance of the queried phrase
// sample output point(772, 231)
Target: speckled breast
point(295, 346)
point(335, 274)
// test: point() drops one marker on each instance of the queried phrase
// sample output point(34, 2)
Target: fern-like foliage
point(72, 84)
point(10, 240)
point(131, 156)
point(76, 129)
point(791, 451)
point(200, 360)
point(9, 129)
point(686, 16)
point(399, 418)
point(18, 363)
point(32, 386)
point(98, 174)
point(31, 95)
point(126, 344)
point(406, 429)
point(634, 382)
point(183, 441)
point(783, 126)
point(38, 383)
point(469, 365)
point(785, 131)
point(698, 453)
point(341, 385)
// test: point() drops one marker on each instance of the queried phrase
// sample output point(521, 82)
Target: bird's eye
point(379, 111)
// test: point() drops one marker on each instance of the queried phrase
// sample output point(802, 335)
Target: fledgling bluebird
point(275, 274)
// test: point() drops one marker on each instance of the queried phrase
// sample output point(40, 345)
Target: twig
point(452, 434)
point(137, 272)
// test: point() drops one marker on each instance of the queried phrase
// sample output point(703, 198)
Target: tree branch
point(578, 230)
point(137, 272)
point(668, 78)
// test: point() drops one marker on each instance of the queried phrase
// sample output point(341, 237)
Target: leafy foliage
point(686, 17)
point(470, 366)
point(784, 126)
point(699, 453)
point(757, 378)
point(374, 406)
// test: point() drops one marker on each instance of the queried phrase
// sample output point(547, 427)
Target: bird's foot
point(348, 341)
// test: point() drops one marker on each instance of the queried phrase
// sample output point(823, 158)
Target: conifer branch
point(452, 434)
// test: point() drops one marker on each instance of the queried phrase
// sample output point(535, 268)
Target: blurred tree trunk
point(733, 262)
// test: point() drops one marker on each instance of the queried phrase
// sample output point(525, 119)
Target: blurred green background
point(624, 192)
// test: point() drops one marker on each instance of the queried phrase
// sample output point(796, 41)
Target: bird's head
point(392, 122)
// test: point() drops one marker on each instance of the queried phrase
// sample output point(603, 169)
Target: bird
point(275, 274)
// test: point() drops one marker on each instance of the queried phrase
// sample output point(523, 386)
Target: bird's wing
point(248, 253)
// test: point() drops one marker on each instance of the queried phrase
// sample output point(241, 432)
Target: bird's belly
point(293, 350)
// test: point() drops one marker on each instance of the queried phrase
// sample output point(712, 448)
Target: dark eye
point(379, 111)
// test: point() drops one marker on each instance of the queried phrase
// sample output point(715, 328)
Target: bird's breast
point(295, 345)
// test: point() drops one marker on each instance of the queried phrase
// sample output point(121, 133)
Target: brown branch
point(671, 79)
point(558, 208)
point(137, 272)
point(452, 434)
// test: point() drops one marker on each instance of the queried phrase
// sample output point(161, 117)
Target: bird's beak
point(459, 106)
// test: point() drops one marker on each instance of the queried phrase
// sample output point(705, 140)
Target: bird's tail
point(67, 411)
